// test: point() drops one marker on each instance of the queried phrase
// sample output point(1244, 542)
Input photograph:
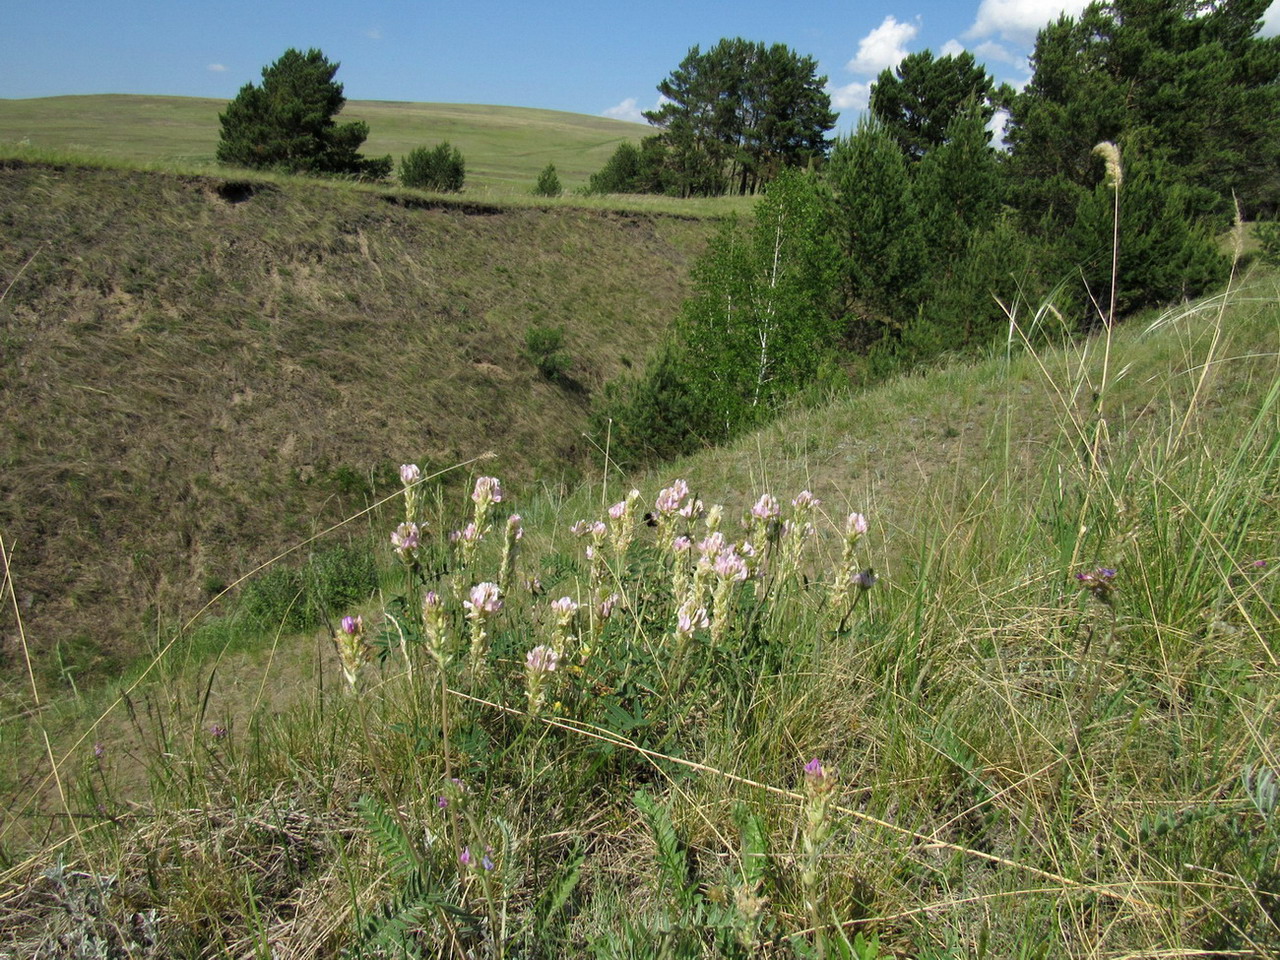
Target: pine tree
point(1183, 81)
point(548, 184)
point(287, 123)
point(917, 100)
point(877, 231)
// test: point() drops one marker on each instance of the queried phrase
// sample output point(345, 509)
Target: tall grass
point(956, 734)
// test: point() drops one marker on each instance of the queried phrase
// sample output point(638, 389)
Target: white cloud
point(1271, 21)
point(629, 110)
point(883, 48)
point(216, 68)
point(1018, 21)
point(996, 125)
point(373, 33)
point(989, 50)
point(952, 48)
point(855, 96)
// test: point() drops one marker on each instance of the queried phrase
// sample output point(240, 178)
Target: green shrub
point(1268, 236)
point(301, 598)
point(548, 184)
point(438, 168)
point(543, 348)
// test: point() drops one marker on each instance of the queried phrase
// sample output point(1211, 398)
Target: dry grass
point(198, 371)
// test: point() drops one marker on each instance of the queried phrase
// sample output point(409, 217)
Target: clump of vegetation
point(440, 168)
point(287, 122)
point(548, 184)
point(1268, 237)
point(304, 597)
point(544, 348)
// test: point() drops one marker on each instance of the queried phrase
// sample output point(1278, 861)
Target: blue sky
point(596, 58)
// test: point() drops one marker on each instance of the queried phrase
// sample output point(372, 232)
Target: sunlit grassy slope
point(978, 755)
point(504, 147)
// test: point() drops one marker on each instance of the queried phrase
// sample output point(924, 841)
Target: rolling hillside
point(504, 147)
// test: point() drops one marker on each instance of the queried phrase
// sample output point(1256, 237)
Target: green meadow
point(333, 627)
point(505, 146)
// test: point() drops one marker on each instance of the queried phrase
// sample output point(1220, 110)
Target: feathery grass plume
point(1110, 155)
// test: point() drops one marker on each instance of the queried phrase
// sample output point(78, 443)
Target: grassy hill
point(505, 147)
point(980, 753)
point(196, 371)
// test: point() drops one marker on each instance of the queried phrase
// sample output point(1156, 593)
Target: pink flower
point(689, 620)
point(712, 545)
point(352, 625)
point(514, 528)
point(565, 607)
point(681, 544)
point(607, 605)
point(730, 566)
point(486, 598)
point(409, 473)
point(617, 510)
point(691, 510)
point(406, 538)
point(542, 659)
point(805, 500)
point(488, 490)
point(670, 498)
point(855, 526)
point(766, 507)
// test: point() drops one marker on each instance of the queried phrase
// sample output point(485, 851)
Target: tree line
point(913, 236)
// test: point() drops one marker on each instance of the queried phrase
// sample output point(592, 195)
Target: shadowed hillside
point(197, 371)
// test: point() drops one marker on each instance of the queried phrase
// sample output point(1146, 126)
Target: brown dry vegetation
point(198, 371)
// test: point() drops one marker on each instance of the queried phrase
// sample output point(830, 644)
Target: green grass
point(1017, 767)
point(505, 148)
